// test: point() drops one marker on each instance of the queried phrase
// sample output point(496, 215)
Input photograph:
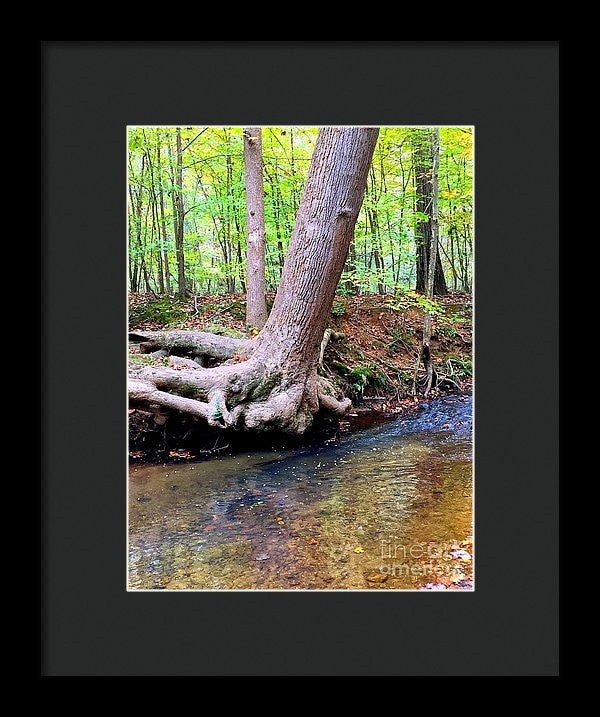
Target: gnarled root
point(147, 394)
point(197, 344)
point(328, 400)
point(245, 396)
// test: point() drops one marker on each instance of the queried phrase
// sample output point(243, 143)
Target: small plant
point(367, 375)
point(338, 308)
point(340, 368)
point(360, 375)
point(461, 367)
point(430, 306)
point(449, 331)
point(406, 299)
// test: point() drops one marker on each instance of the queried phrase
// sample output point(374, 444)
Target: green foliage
point(447, 325)
point(224, 331)
point(161, 311)
point(431, 307)
point(406, 299)
point(365, 375)
point(383, 253)
point(449, 331)
point(145, 360)
point(461, 366)
point(361, 376)
point(339, 307)
point(340, 368)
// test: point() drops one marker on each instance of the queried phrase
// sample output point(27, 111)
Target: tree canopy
point(207, 188)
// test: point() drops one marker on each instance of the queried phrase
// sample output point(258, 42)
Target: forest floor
point(372, 359)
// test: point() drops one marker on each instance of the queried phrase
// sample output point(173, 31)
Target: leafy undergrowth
point(373, 362)
point(376, 360)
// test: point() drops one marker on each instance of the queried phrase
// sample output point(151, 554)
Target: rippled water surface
point(384, 508)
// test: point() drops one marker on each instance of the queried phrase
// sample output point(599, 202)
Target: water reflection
point(367, 513)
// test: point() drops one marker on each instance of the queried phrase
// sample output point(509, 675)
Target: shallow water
point(392, 503)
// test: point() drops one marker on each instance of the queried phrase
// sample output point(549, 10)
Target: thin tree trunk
point(230, 273)
point(351, 286)
point(276, 216)
point(423, 178)
point(163, 222)
point(181, 288)
point(155, 225)
point(432, 259)
point(256, 306)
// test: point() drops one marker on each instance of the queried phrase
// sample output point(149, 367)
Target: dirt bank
point(371, 355)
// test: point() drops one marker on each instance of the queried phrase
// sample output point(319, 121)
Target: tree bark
point(256, 305)
point(181, 288)
point(163, 223)
point(423, 168)
point(275, 386)
point(432, 259)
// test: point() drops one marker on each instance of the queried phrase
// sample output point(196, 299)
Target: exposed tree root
point(197, 344)
point(327, 336)
point(250, 395)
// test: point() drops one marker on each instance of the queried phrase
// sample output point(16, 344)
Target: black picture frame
point(91, 91)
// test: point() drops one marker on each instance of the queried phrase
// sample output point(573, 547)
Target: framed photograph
point(301, 297)
point(292, 337)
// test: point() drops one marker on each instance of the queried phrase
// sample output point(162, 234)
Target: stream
point(386, 507)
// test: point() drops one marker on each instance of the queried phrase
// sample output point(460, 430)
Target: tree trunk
point(163, 222)
point(229, 264)
point(423, 160)
point(181, 288)
point(278, 387)
point(155, 226)
point(351, 285)
point(256, 306)
point(432, 258)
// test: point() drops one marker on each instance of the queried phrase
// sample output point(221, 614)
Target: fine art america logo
point(421, 559)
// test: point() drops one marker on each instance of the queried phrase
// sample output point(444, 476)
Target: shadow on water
point(381, 509)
